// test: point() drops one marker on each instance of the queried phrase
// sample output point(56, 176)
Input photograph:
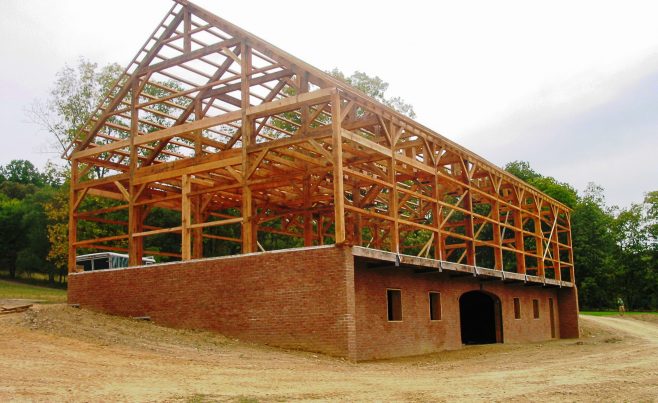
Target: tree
point(11, 234)
point(32, 257)
point(637, 270)
point(615, 251)
point(73, 99)
point(522, 170)
point(23, 172)
point(651, 203)
point(560, 191)
point(375, 88)
point(594, 249)
point(56, 211)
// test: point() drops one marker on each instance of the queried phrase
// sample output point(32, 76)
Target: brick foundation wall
point(317, 299)
point(376, 337)
point(568, 304)
point(293, 299)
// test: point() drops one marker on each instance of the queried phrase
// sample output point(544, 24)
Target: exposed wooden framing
point(135, 217)
point(74, 201)
point(337, 154)
point(249, 238)
point(393, 202)
point(497, 236)
point(293, 152)
point(186, 218)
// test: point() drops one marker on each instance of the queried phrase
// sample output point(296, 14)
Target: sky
point(569, 86)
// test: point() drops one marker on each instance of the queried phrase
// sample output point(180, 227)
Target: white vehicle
point(106, 260)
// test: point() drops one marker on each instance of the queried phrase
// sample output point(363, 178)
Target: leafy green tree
point(375, 88)
point(651, 203)
point(594, 249)
point(12, 239)
point(32, 258)
point(18, 191)
point(74, 97)
point(636, 274)
point(522, 170)
point(56, 210)
point(560, 191)
point(23, 172)
point(615, 252)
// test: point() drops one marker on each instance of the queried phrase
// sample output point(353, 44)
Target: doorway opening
point(481, 318)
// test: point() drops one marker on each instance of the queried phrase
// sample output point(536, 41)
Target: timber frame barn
point(226, 130)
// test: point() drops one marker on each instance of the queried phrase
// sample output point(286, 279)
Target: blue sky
point(569, 86)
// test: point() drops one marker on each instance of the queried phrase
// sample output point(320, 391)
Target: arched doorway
point(480, 318)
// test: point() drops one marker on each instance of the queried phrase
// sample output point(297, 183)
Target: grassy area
point(33, 279)
point(11, 290)
point(614, 313)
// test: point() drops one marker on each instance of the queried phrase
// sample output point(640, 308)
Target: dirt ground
point(59, 353)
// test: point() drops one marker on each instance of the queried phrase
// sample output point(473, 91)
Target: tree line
point(615, 249)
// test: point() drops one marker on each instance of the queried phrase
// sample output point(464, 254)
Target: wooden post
point(518, 233)
point(248, 235)
point(337, 156)
point(468, 217)
point(357, 228)
point(186, 235)
point(539, 246)
point(468, 228)
point(197, 233)
point(437, 211)
point(308, 215)
point(303, 88)
point(556, 249)
point(198, 134)
point(73, 221)
point(498, 242)
point(135, 219)
point(393, 202)
point(572, 273)
point(187, 27)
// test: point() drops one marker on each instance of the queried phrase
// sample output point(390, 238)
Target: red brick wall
point(568, 305)
point(314, 299)
point(376, 337)
point(293, 299)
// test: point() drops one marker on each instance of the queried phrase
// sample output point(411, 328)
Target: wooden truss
point(225, 129)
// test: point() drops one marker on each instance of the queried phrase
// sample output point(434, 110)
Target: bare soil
point(59, 353)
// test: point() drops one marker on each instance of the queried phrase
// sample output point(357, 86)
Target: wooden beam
point(162, 134)
point(337, 154)
point(186, 217)
point(118, 98)
point(293, 102)
point(308, 215)
point(186, 57)
point(248, 236)
point(73, 222)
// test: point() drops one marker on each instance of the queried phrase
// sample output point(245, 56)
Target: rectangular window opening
point(535, 308)
point(435, 305)
point(517, 308)
point(394, 302)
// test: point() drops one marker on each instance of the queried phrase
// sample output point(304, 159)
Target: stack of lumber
point(14, 309)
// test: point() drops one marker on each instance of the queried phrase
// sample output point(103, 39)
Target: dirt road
point(56, 353)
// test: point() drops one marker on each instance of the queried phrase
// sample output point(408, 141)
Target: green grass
point(14, 290)
point(39, 279)
point(614, 313)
